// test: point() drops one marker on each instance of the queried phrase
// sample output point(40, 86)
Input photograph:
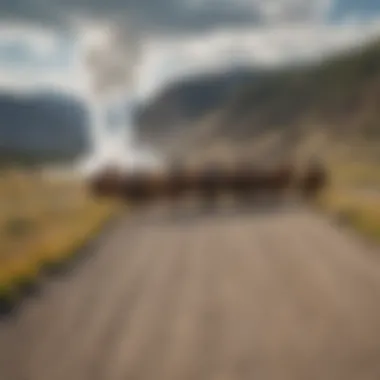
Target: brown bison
point(209, 183)
point(175, 183)
point(241, 182)
point(141, 188)
point(315, 180)
point(107, 183)
point(279, 181)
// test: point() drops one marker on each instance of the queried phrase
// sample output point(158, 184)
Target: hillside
point(175, 110)
point(41, 127)
point(330, 108)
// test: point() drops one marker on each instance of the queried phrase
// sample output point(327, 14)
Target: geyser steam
point(110, 55)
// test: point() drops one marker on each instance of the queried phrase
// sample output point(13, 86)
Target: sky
point(141, 45)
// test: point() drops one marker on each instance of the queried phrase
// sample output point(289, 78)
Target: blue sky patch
point(19, 53)
point(363, 9)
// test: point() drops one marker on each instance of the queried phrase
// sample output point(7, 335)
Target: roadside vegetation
point(43, 223)
point(354, 198)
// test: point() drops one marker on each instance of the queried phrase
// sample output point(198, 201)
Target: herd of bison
point(243, 182)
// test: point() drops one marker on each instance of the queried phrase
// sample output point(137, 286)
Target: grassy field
point(42, 222)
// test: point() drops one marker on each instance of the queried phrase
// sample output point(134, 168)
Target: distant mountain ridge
point(44, 126)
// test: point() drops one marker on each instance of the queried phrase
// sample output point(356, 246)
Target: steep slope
point(179, 106)
point(339, 90)
point(320, 108)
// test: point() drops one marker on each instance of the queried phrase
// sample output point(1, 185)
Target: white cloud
point(109, 53)
point(166, 58)
point(41, 44)
point(168, 16)
point(25, 81)
point(49, 60)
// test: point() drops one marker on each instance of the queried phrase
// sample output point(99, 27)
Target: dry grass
point(354, 196)
point(42, 222)
point(355, 210)
point(355, 174)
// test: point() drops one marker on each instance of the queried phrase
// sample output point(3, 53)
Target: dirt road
point(263, 295)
